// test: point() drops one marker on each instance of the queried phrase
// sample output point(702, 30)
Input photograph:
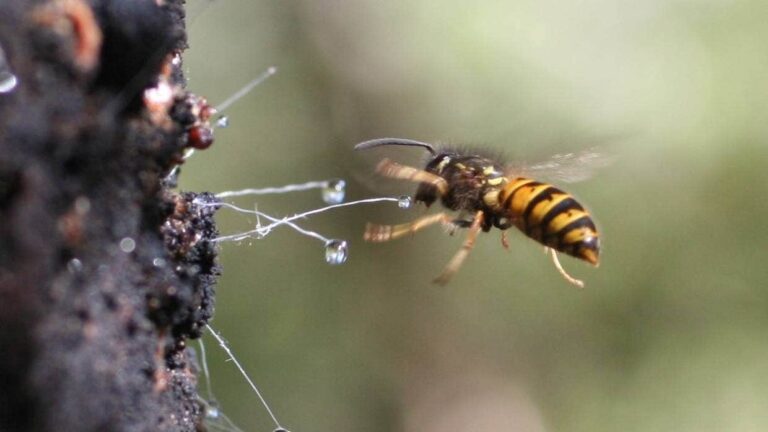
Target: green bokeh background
point(671, 332)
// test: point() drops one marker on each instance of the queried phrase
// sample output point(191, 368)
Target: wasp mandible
point(488, 194)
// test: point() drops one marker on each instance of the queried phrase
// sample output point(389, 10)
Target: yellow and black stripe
point(551, 217)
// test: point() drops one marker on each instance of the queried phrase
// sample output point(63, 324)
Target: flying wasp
point(488, 194)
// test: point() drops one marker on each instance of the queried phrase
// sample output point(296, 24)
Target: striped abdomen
point(551, 217)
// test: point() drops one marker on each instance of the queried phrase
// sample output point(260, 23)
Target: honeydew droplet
point(222, 122)
point(336, 252)
point(334, 191)
point(404, 202)
point(8, 81)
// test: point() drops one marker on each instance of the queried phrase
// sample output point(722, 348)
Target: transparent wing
point(363, 170)
point(564, 167)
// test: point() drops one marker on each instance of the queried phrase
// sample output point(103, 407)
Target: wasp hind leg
point(504, 240)
point(381, 233)
point(455, 263)
point(391, 169)
point(562, 271)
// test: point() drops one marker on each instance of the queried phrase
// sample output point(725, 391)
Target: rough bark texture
point(104, 272)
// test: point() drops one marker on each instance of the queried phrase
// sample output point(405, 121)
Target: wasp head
point(428, 193)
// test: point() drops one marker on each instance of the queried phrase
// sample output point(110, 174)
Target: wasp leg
point(381, 233)
point(391, 169)
point(562, 271)
point(504, 240)
point(459, 222)
point(453, 265)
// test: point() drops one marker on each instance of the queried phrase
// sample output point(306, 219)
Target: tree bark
point(105, 272)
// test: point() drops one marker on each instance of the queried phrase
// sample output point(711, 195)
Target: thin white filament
point(232, 99)
point(204, 362)
point(211, 398)
point(188, 154)
point(247, 88)
point(275, 190)
point(261, 232)
point(226, 349)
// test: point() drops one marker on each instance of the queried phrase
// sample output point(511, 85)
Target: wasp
point(489, 194)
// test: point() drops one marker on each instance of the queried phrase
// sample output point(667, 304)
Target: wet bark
point(105, 272)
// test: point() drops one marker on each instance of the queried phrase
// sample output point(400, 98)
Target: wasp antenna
point(394, 141)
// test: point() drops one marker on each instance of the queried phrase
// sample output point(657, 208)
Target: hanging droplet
point(212, 411)
point(404, 202)
point(334, 190)
point(74, 265)
point(8, 81)
point(336, 252)
point(222, 122)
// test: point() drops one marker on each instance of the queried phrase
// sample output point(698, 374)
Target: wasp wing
point(564, 167)
point(363, 169)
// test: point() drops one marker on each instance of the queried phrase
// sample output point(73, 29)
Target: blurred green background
point(671, 332)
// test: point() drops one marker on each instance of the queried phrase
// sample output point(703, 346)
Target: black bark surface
point(93, 331)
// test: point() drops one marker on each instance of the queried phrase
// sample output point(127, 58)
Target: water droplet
point(336, 252)
point(158, 262)
point(74, 265)
point(334, 190)
point(8, 81)
point(212, 411)
point(127, 245)
point(222, 122)
point(404, 202)
point(281, 429)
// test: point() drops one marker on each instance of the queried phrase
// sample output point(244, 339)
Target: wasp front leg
point(403, 172)
point(503, 223)
point(381, 233)
point(455, 263)
point(504, 240)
